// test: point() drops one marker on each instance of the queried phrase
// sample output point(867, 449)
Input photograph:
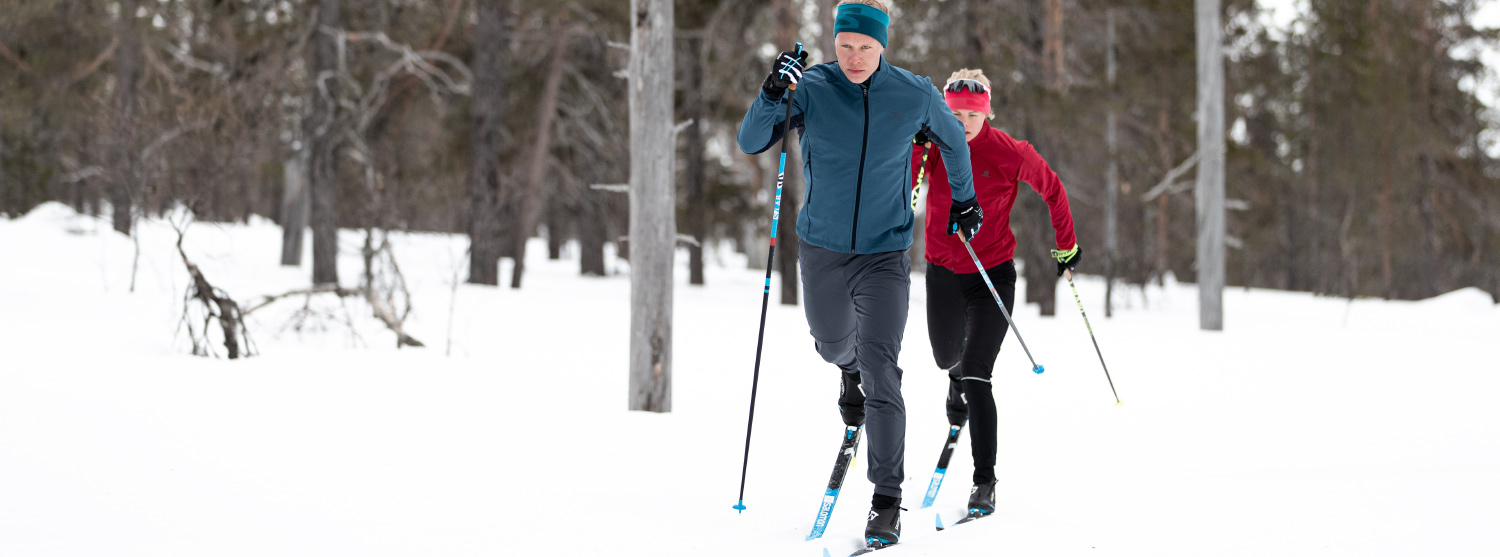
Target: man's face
point(973, 121)
point(858, 54)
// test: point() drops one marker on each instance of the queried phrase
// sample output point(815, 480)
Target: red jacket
point(1000, 163)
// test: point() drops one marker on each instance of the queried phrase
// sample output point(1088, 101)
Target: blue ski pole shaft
point(765, 300)
point(1069, 275)
point(1034, 366)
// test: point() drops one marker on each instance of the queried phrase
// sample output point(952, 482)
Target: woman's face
point(973, 121)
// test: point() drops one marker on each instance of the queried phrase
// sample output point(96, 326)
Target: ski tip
point(939, 519)
point(740, 506)
point(1038, 369)
point(825, 552)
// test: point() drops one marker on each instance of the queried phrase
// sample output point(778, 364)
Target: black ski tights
point(966, 329)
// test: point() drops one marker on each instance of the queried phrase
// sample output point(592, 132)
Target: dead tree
point(322, 143)
point(1210, 188)
point(484, 144)
point(653, 225)
point(530, 199)
point(217, 306)
point(125, 165)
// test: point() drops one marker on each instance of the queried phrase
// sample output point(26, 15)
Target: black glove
point(921, 138)
point(785, 71)
point(965, 216)
point(1067, 260)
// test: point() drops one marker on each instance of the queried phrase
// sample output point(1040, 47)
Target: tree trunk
point(484, 144)
point(1387, 195)
point(1316, 266)
point(557, 224)
point(531, 199)
point(323, 142)
point(825, 35)
point(592, 233)
point(756, 243)
point(1052, 47)
point(125, 163)
point(295, 203)
point(696, 206)
point(653, 225)
point(1033, 248)
point(1112, 173)
point(787, 27)
point(5, 183)
point(1210, 187)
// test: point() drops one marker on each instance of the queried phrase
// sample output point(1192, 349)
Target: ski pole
point(1069, 275)
point(766, 299)
point(1034, 366)
point(920, 171)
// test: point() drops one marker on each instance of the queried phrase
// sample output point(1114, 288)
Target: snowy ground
point(1311, 426)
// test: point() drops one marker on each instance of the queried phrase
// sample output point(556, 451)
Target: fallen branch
point(383, 307)
point(218, 305)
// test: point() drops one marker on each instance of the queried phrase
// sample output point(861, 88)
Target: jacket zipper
point(859, 183)
point(807, 203)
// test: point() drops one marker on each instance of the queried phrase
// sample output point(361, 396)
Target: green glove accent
point(1063, 256)
point(1067, 260)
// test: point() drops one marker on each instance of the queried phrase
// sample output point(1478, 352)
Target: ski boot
point(883, 528)
point(982, 499)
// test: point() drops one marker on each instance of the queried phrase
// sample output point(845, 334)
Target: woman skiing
point(964, 324)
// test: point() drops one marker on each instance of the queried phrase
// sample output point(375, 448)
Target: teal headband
point(862, 19)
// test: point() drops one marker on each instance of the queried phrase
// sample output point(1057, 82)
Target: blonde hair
point(881, 5)
point(966, 73)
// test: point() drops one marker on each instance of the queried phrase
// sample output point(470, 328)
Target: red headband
point(966, 100)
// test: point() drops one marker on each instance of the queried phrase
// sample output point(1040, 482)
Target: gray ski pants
point(856, 308)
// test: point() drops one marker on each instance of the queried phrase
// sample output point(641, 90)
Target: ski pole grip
point(799, 51)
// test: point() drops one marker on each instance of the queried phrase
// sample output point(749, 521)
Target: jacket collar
point(988, 137)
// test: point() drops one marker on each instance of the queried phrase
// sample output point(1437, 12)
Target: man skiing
point(964, 324)
point(856, 118)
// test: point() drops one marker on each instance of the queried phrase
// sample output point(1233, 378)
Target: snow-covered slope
point(1311, 426)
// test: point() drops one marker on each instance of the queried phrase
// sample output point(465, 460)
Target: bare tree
point(484, 143)
point(4, 183)
point(653, 226)
point(1112, 174)
point(295, 203)
point(788, 25)
point(825, 33)
point(692, 109)
point(323, 139)
point(1210, 188)
point(124, 161)
point(531, 198)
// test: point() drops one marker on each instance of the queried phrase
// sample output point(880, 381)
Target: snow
point(1310, 426)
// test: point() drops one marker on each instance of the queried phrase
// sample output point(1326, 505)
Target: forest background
point(1360, 160)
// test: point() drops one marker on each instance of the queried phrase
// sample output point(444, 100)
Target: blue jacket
point(856, 152)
